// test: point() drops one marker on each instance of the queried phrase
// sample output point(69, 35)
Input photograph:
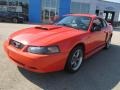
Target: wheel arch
point(81, 44)
point(67, 61)
point(108, 36)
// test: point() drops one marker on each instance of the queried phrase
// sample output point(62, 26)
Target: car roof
point(87, 15)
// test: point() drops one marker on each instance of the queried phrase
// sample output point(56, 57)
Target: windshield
point(77, 22)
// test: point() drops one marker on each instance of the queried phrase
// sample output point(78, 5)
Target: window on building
point(84, 8)
point(13, 2)
point(79, 7)
point(3, 6)
point(24, 5)
point(50, 8)
point(75, 7)
point(50, 3)
point(104, 15)
point(109, 16)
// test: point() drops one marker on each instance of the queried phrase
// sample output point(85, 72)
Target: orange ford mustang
point(62, 45)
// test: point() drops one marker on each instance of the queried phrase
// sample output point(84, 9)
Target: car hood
point(44, 34)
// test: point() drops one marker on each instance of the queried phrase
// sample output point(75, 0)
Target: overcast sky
point(113, 0)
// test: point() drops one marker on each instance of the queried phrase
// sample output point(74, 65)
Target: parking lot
point(100, 72)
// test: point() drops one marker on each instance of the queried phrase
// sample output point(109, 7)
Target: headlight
point(43, 50)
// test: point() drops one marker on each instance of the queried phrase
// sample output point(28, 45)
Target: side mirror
point(96, 28)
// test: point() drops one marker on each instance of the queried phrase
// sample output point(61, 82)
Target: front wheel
point(74, 60)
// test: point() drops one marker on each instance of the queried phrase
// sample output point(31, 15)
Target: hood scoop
point(47, 27)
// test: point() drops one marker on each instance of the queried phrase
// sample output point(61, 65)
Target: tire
point(75, 59)
point(15, 20)
point(108, 43)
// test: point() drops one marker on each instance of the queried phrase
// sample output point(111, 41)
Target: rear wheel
point(74, 60)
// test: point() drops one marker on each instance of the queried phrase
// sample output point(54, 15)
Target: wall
point(35, 11)
point(64, 7)
point(91, 2)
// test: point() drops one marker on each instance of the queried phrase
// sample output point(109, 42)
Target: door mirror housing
point(96, 28)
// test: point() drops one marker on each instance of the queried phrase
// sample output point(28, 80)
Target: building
point(44, 10)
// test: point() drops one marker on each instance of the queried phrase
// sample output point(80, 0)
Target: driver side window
point(97, 23)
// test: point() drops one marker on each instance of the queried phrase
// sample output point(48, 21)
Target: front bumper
point(34, 62)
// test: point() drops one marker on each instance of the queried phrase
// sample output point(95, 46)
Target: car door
point(104, 30)
point(96, 38)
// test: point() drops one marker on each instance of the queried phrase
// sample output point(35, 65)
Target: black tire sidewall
point(68, 67)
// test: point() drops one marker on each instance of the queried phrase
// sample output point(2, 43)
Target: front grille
point(16, 44)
